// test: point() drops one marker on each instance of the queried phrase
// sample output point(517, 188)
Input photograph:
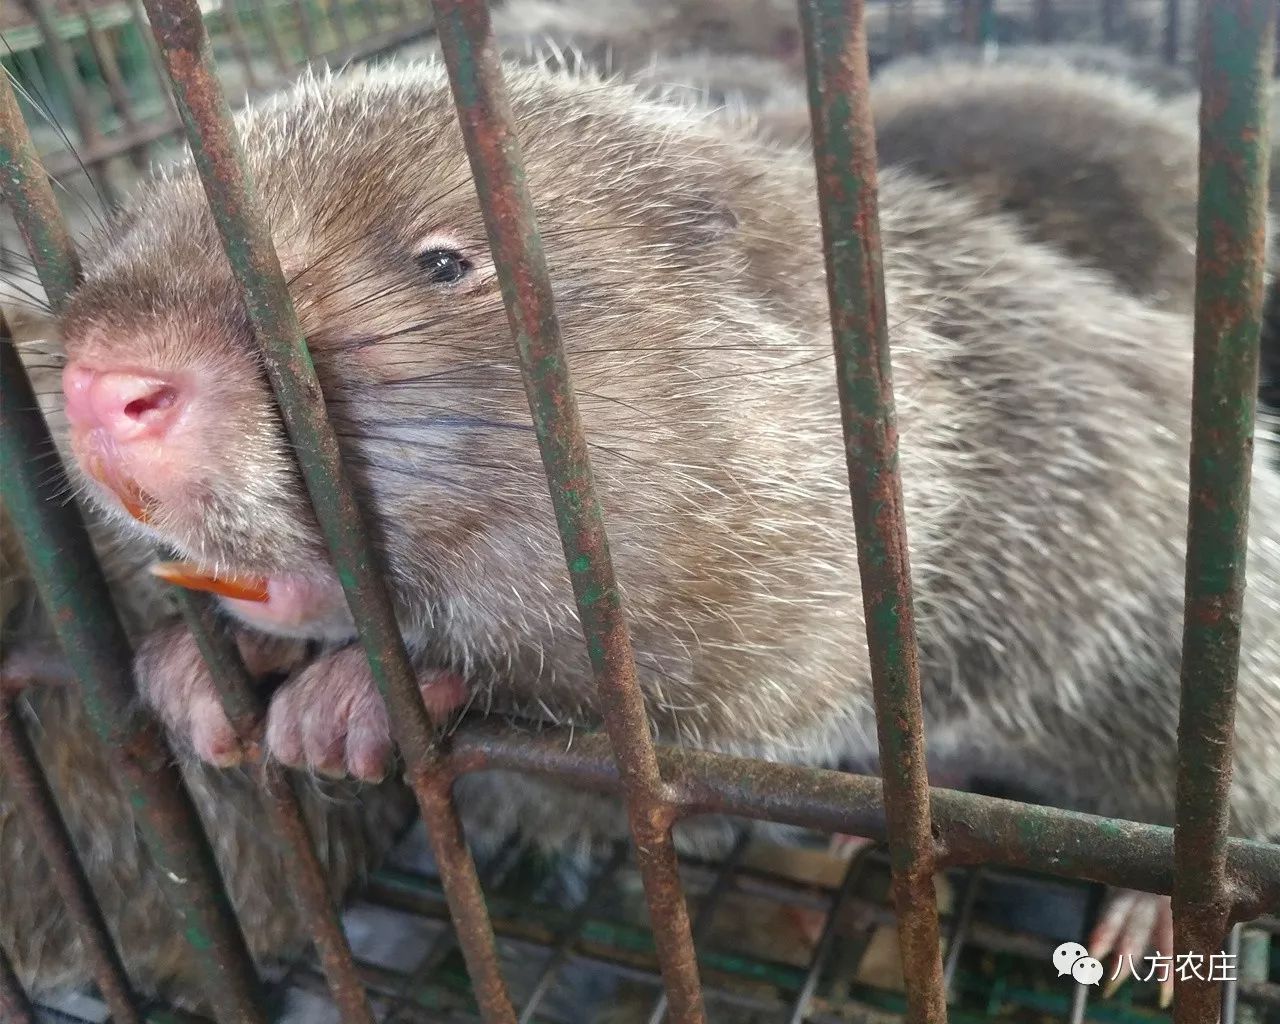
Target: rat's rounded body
point(1043, 415)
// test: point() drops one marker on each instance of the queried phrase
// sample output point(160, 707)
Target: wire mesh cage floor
point(786, 933)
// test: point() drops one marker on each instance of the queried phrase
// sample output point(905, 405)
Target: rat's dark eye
point(444, 266)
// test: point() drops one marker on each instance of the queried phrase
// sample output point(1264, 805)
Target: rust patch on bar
point(246, 239)
point(1235, 62)
point(475, 75)
point(844, 151)
point(971, 829)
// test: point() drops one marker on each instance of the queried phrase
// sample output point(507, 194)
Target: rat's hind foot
point(175, 683)
point(332, 720)
point(1131, 924)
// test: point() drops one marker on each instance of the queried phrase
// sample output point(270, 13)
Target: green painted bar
point(844, 151)
point(72, 588)
point(26, 189)
point(484, 114)
point(76, 595)
point(184, 45)
point(1237, 37)
point(19, 761)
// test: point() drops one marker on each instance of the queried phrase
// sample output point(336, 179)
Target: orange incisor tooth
point(184, 574)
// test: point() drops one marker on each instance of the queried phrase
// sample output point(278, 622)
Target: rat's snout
point(124, 406)
point(132, 431)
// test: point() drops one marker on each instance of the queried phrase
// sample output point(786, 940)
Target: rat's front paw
point(332, 720)
point(174, 681)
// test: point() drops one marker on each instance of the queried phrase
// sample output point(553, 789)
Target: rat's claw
point(175, 683)
point(332, 720)
point(1132, 923)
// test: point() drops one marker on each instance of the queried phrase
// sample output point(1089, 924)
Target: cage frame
point(1215, 880)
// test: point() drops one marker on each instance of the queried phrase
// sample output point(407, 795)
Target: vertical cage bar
point(1235, 62)
point(19, 761)
point(272, 36)
point(153, 55)
point(78, 600)
point(239, 43)
point(308, 882)
point(484, 114)
point(104, 53)
point(15, 1007)
point(62, 563)
point(64, 61)
point(26, 189)
point(844, 150)
point(220, 161)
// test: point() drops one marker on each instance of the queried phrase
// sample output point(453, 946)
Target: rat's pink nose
point(127, 406)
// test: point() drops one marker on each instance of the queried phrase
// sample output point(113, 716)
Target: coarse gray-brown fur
point(1043, 414)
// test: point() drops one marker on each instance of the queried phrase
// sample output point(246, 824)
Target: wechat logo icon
point(1073, 959)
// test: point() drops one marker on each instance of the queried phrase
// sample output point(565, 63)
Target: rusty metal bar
point(15, 1007)
point(26, 189)
point(844, 151)
point(79, 602)
point(74, 591)
point(707, 908)
point(1235, 62)
point(184, 44)
point(418, 979)
point(971, 829)
point(475, 74)
point(104, 54)
point(19, 761)
point(308, 881)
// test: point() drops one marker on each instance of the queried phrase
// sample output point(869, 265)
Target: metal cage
point(1215, 880)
